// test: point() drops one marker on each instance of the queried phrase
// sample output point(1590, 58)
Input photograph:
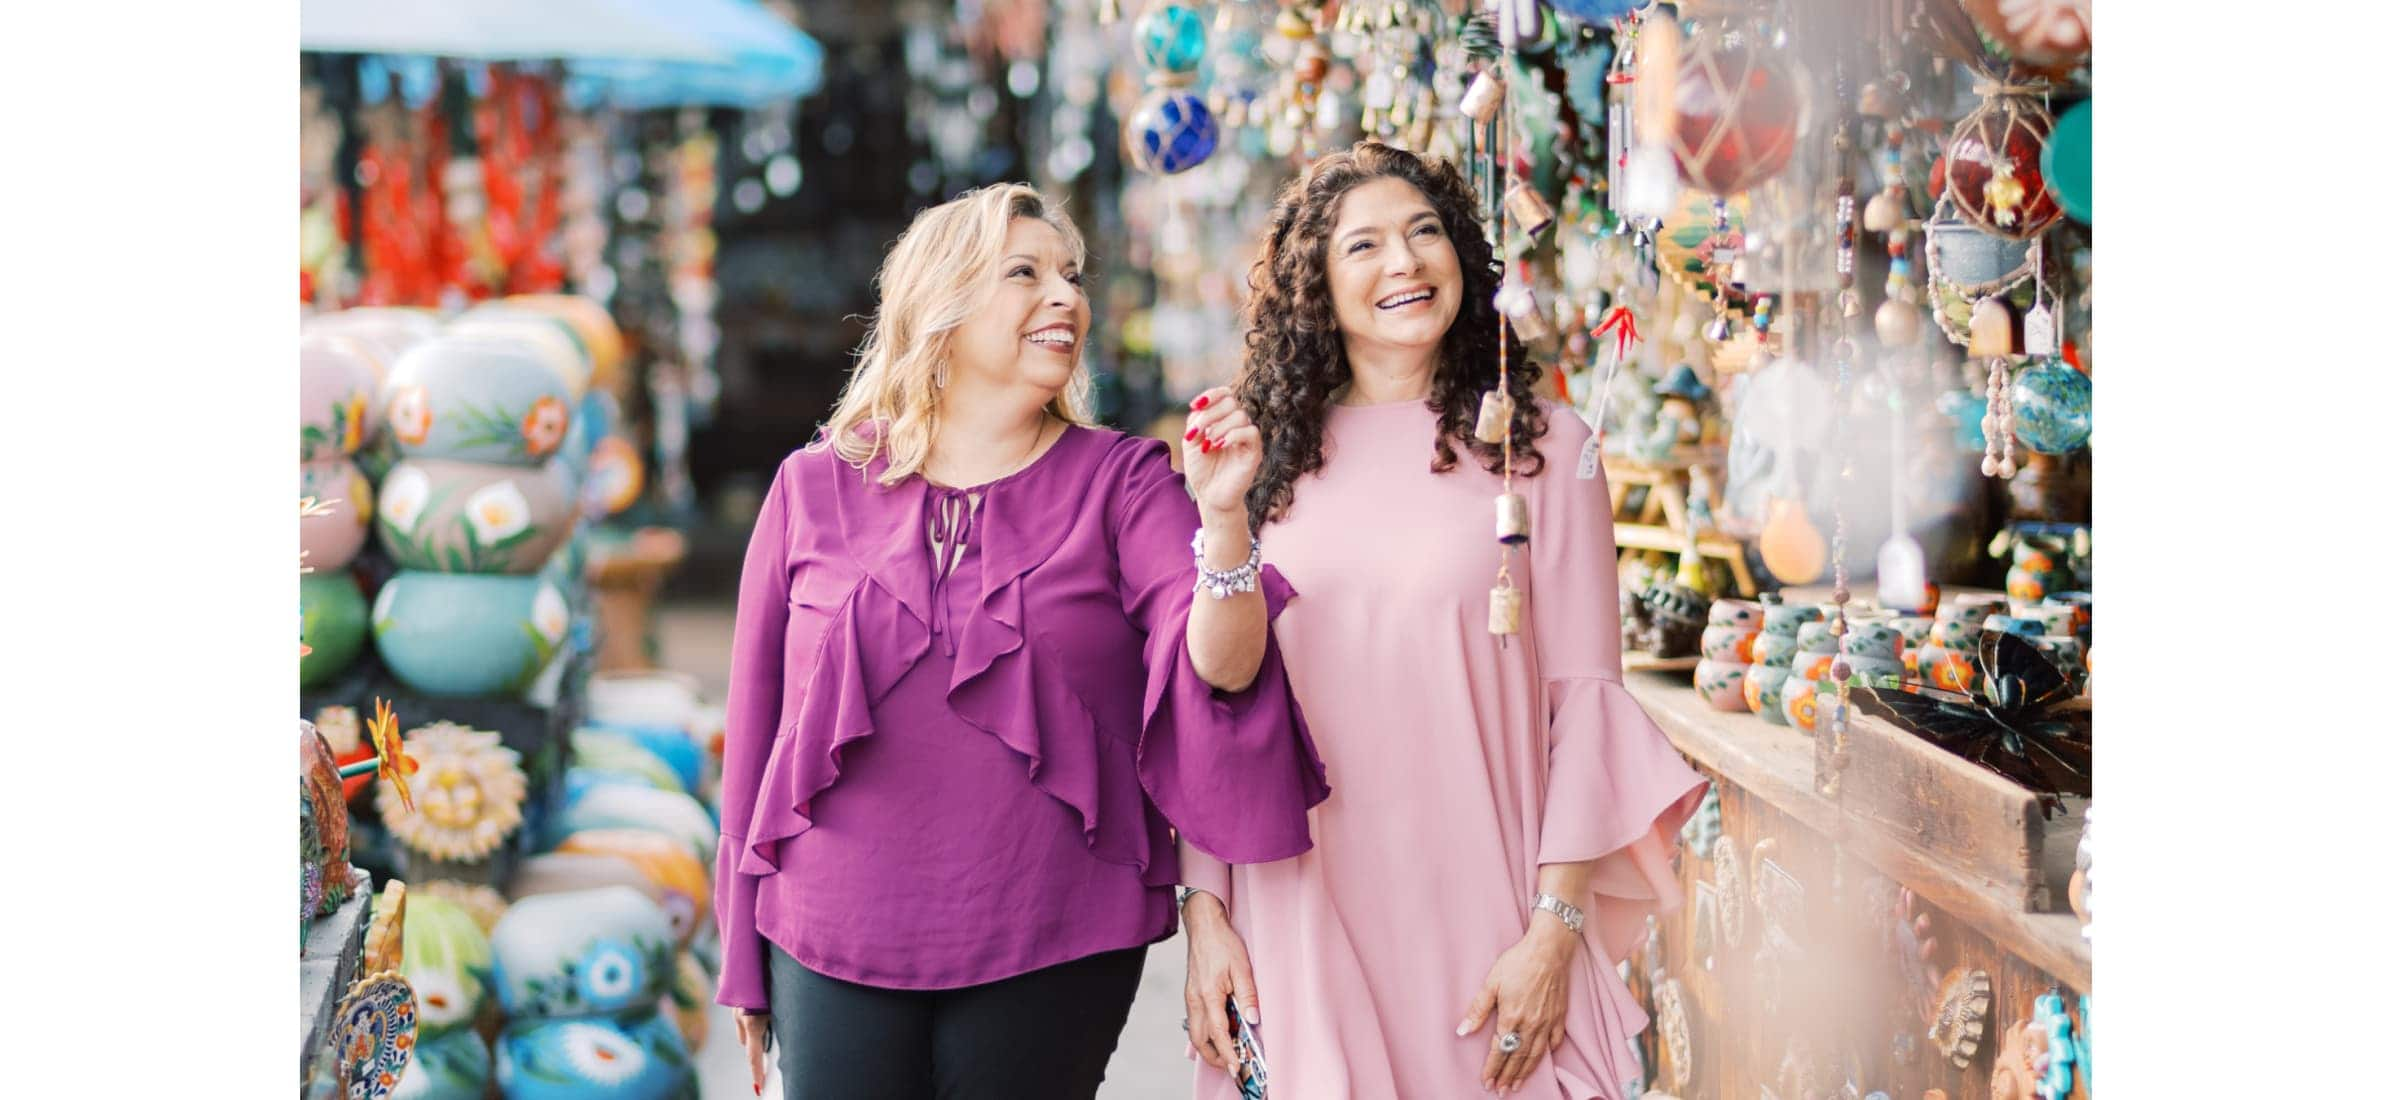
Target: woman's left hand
point(1221, 452)
point(1527, 994)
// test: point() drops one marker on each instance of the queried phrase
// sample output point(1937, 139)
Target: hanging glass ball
point(1993, 167)
point(2051, 406)
point(1172, 131)
point(1738, 114)
point(1171, 38)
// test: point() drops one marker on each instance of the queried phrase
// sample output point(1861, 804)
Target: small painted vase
point(2066, 652)
point(2020, 625)
point(634, 1057)
point(1788, 618)
point(329, 542)
point(1813, 663)
point(2082, 604)
point(2032, 573)
point(468, 634)
point(1970, 608)
point(1773, 650)
point(1814, 636)
point(2058, 619)
point(1877, 639)
point(1763, 692)
point(590, 953)
point(1913, 629)
point(1800, 702)
point(1728, 642)
point(1721, 683)
point(1948, 669)
point(1955, 635)
point(1741, 614)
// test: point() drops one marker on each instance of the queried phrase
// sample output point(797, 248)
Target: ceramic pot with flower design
point(1874, 639)
point(1729, 643)
point(1948, 668)
point(556, 342)
point(1764, 692)
point(447, 959)
point(1800, 702)
point(474, 517)
point(468, 634)
point(638, 1056)
point(1788, 618)
point(1741, 614)
point(1774, 650)
point(1721, 683)
point(676, 875)
point(477, 400)
point(597, 952)
point(337, 378)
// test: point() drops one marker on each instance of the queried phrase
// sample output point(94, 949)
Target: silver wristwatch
point(1572, 917)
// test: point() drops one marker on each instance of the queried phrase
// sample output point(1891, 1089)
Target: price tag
point(1590, 457)
point(2042, 337)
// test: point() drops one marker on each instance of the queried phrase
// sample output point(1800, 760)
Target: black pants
point(1044, 1035)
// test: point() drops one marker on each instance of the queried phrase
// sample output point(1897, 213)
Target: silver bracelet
point(1571, 916)
point(1244, 578)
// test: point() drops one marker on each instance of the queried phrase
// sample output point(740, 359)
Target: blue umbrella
point(764, 60)
point(505, 30)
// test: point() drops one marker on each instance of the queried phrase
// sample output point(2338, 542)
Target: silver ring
point(1509, 1043)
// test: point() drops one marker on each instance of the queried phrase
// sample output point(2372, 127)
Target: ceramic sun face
point(468, 793)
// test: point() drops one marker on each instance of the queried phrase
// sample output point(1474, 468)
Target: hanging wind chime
point(1506, 603)
point(1839, 714)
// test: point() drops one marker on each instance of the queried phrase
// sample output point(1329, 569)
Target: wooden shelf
point(1775, 764)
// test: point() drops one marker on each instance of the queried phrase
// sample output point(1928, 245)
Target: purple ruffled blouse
point(934, 779)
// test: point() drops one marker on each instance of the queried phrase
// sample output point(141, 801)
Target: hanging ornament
point(2049, 36)
point(1171, 39)
point(1737, 112)
point(2052, 407)
point(1485, 96)
point(1172, 131)
point(1494, 416)
point(1506, 604)
point(1989, 329)
point(1791, 545)
point(1511, 519)
point(1993, 164)
point(2068, 161)
point(1528, 209)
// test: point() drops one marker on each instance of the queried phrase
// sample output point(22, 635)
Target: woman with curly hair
point(987, 659)
point(1504, 812)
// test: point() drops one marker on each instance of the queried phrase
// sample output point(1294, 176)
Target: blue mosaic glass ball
point(1171, 38)
point(2052, 407)
point(1172, 131)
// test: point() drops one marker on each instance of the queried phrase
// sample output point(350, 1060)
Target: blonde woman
point(987, 658)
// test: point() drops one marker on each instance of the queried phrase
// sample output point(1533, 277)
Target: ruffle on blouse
point(1007, 685)
point(1618, 795)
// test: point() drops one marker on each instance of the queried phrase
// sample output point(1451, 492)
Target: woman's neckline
point(1027, 468)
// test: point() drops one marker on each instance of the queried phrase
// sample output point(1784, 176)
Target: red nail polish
point(759, 1089)
point(1202, 401)
point(1192, 433)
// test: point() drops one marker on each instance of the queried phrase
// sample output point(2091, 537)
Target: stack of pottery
point(580, 976)
point(1872, 648)
point(337, 380)
point(1949, 659)
point(681, 884)
point(386, 332)
point(477, 504)
point(1728, 653)
point(1773, 657)
point(660, 712)
point(448, 962)
point(1915, 630)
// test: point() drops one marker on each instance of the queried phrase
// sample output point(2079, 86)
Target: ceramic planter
point(1814, 636)
point(1913, 629)
point(329, 542)
point(1947, 668)
point(453, 1065)
point(679, 877)
point(1773, 650)
point(1812, 664)
point(477, 400)
point(472, 517)
point(593, 952)
point(467, 634)
point(1970, 608)
point(597, 1058)
point(1729, 643)
point(2082, 604)
point(1955, 635)
point(337, 378)
point(1874, 639)
point(1741, 614)
point(591, 322)
point(615, 806)
point(447, 960)
point(332, 623)
point(1799, 700)
point(1721, 683)
point(679, 751)
point(553, 340)
point(1787, 618)
point(2033, 572)
point(2020, 625)
point(1764, 689)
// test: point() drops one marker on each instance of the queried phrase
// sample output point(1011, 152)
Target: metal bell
point(1989, 329)
point(1505, 606)
point(1484, 97)
point(1528, 209)
point(1494, 416)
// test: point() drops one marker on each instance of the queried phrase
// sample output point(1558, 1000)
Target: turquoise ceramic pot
point(332, 621)
point(604, 951)
point(478, 400)
point(620, 806)
point(598, 1058)
point(2052, 404)
point(666, 743)
point(2068, 161)
point(332, 540)
point(605, 753)
point(453, 1065)
point(474, 517)
point(337, 379)
point(553, 339)
point(466, 634)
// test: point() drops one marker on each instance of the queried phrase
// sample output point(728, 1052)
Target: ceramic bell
point(1484, 98)
point(1494, 416)
point(1989, 329)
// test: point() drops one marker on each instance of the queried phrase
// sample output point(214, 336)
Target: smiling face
point(1029, 330)
point(1394, 278)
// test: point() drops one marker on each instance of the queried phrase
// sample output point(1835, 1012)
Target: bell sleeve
point(1618, 791)
point(752, 714)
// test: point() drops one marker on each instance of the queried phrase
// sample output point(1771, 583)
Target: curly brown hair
point(1295, 358)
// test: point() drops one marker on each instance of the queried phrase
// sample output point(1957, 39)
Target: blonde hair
point(931, 282)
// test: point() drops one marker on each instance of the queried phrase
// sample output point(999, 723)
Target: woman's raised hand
point(1221, 451)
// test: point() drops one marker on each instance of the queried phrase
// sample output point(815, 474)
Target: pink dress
point(1460, 763)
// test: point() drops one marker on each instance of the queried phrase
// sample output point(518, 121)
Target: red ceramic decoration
point(1993, 167)
point(1738, 113)
point(2045, 35)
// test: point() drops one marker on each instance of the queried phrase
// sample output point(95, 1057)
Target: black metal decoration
point(2013, 723)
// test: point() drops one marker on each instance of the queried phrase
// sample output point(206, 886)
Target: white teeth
point(1051, 339)
point(1415, 296)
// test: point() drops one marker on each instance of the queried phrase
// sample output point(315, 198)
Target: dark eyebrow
point(1350, 234)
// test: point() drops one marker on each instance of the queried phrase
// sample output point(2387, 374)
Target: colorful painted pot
point(330, 541)
point(1764, 692)
point(608, 753)
point(617, 806)
point(1729, 643)
point(1913, 629)
point(477, 400)
point(1773, 650)
point(474, 517)
point(337, 376)
point(1788, 618)
point(2052, 407)
point(679, 752)
point(1815, 637)
point(2065, 652)
point(679, 876)
point(2032, 573)
point(467, 634)
point(454, 1065)
point(1799, 703)
point(641, 1058)
point(588, 953)
point(332, 623)
point(1971, 259)
point(1955, 635)
point(2058, 620)
point(1971, 608)
point(1948, 669)
point(1874, 639)
point(591, 323)
point(552, 340)
point(578, 872)
point(645, 698)
point(1812, 664)
point(2021, 625)
point(447, 960)
point(2082, 604)
point(1721, 683)
point(1873, 669)
point(1741, 614)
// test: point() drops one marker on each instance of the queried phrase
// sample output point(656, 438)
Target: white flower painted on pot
point(600, 1055)
point(549, 616)
point(403, 495)
point(411, 415)
point(440, 999)
point(496, 511)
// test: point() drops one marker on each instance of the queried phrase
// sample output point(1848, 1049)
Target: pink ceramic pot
point(328, 542)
